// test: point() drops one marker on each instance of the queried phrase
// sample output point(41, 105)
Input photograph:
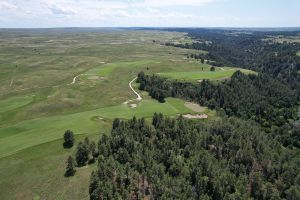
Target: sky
point(149, 13)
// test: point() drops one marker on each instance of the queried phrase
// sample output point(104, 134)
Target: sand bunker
point(194, 107)
point(133, 105)
point(202, 116)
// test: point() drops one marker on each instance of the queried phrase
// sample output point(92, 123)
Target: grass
point(298, 53)
point(107, 69)
point(281, 39)
point(37, 173)
point(41, 104)
point(200, 75)
point(42, 130)
point(14, 103)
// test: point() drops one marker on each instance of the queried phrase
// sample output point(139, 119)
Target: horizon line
point(238, 27)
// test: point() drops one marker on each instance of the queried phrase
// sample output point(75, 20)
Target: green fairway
point(14, 102)
point(200, 75)
point(108, 68)
point(34, 132)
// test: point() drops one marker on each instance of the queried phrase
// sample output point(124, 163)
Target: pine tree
point(82, 154)
point(70, 168)
point(68, 139)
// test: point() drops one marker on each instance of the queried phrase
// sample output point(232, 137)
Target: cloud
point(97, 13)
point(167, 3)
point(4, 5)
point(59, 10)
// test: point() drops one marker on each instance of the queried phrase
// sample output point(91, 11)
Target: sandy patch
point(199, 81)
point(93, 77)
point(102, 62)
point(202, 116)
point(133, 105)
point(194, 107)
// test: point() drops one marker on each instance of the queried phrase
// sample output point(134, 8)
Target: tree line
point(257, 97)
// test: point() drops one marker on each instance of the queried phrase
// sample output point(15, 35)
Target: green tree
point(93, 149)
point(70, 168)
point(68, 139)
point(82, 154)
point(293, 193)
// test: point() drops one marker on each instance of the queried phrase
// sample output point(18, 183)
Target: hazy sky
point(179, 13)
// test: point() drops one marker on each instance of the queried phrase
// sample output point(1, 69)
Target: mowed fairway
point(37, 131)
point(14, 103)
point(219, 74)
point(39, 99)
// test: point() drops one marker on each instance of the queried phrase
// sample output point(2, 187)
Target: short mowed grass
point(14, 102)
point(42, 130)
point(219, 74)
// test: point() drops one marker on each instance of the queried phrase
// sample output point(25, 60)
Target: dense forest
point(257, 97)
point(250, 151)
point(175, 158)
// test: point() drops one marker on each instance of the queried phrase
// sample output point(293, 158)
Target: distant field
point(282, 39)
point(220, 73)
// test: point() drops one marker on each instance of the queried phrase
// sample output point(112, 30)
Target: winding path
point(139, 98)
point(74, 79)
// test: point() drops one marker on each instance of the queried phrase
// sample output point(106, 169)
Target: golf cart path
point(137, 94)
point(139, 98)
point(74, 79)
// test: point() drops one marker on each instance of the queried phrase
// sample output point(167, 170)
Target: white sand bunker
point(198, 116)
point(133, 105)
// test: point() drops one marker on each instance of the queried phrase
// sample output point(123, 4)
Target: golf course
point(51, 82)
point(59, 80)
